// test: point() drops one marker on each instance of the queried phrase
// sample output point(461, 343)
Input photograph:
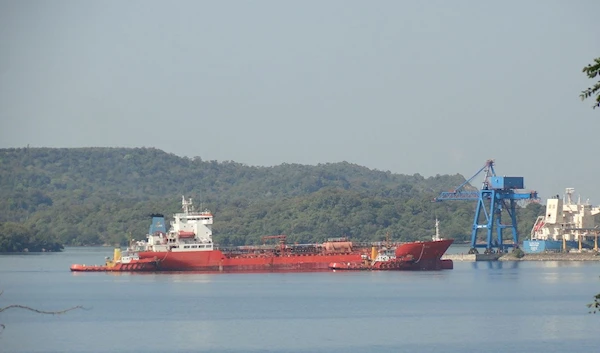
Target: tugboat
point(129, 261)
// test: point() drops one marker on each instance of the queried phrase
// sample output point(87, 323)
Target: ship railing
point(298, 247)
point(247, 247)
point(338, 239)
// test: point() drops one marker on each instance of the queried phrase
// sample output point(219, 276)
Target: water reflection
point(565, 263)
point(494, 265)
point(188, 277)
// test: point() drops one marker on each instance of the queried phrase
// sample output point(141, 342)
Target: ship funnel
point(158, 224)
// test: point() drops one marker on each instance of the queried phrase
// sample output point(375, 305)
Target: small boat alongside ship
point(121, 262)
point(188, 246)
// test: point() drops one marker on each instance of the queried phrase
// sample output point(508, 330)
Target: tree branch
point(595, 306)
point(39, 311)
point(592, 70)
point(25, 307)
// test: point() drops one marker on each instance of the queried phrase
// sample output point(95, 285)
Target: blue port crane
point(497, 193)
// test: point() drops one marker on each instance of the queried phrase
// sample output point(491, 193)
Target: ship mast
point(187, 205)
point(437, 231)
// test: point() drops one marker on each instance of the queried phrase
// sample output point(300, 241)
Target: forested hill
point(81, 196)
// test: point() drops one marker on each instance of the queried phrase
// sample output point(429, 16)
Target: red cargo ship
point(188, 246)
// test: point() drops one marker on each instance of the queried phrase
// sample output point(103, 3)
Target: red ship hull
point(427, 256)
point(217, 261)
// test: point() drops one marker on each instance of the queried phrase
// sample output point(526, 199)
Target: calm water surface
point(489, 307)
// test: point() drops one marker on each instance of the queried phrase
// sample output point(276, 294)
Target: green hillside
point(87, 196)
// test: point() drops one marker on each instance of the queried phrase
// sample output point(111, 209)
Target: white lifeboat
point(186, 234)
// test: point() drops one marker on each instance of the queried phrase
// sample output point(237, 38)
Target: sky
point(429, 87)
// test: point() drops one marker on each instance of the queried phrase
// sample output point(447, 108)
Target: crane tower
point(497, 193)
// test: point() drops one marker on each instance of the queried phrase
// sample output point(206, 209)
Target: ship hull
point(217, 261)
point(417, 256)
point(541, 246)
point(425, 251)
point(425, 256)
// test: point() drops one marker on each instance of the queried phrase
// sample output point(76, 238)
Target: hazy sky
point(429, 87)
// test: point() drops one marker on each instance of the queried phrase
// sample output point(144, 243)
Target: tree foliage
point(592, 70)
point(88, 196)
point(17, 237)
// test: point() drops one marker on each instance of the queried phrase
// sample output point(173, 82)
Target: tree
point(592, 70)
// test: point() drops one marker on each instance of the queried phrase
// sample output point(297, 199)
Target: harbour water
point(478, 306)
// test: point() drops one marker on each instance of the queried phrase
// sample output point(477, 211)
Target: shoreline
point(585, 256)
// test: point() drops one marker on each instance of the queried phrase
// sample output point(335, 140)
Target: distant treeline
point(90, 196)
point(16, 237)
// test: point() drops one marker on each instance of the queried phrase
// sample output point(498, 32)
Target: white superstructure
point(566, 219)
point(190, 231)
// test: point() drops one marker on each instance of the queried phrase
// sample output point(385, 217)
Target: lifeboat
point(185, 234)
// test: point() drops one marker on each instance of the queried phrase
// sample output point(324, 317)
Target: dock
point(550, 256)
point(471, 257)
point(555, 256)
